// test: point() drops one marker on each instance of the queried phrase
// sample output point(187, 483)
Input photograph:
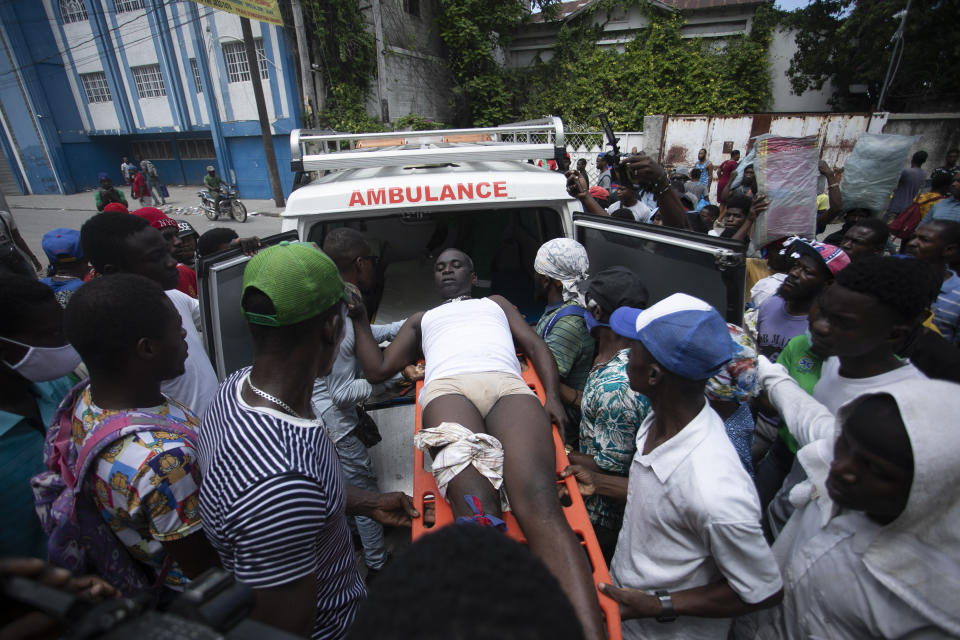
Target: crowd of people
point(790, 476)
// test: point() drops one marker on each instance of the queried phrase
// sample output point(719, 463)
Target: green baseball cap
point(300, 280)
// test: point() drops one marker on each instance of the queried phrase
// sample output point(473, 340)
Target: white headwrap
point(565, 260)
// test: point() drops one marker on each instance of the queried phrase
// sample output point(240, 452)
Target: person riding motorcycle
point(214, 182)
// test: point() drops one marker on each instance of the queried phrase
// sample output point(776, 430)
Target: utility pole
point(381, 63)
point(306, 72)
point(265, 134)
point(896, 55)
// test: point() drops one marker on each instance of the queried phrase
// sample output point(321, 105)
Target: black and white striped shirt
point(272, 503)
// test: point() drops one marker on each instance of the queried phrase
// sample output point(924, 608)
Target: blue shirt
point(946, 209)
point(946, 309)
point(21, 458)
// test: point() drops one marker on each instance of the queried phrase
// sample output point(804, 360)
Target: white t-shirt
point(692, 518)
point(640, 211)
point(833, 390)
point(196, 388)
point(467, 336)
point(766, 287)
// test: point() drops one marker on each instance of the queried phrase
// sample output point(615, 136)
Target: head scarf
point(738, 380)
point(565, 260)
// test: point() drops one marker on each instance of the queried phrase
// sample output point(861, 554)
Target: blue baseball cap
point(62, 245)
point(684, 334)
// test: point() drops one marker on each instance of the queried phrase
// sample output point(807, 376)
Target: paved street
point(35, 215)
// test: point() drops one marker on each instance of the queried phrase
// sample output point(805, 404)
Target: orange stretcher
point(425, 492)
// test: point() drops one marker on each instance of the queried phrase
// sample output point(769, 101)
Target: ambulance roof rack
point(327, 150)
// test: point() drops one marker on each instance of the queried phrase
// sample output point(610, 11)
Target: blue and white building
point(85, 82)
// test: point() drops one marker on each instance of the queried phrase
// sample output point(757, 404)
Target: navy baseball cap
point(684, 334)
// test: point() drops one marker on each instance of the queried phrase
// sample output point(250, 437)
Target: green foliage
point(347, 52)
point(659, 71)
point(471, 31)
point(416, 122)
point(849, 42)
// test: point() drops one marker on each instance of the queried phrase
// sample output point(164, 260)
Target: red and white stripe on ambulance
point(405, 195)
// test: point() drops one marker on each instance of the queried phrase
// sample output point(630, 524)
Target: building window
point(149, 81)
point(235, 56)
point(96, 87)
point(196, 149)
point(152, 150)
point(412, 7)
point(129, 5)
point(196, 75)
point(72, 11)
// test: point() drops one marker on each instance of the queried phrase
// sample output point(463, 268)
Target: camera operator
point(638, 171)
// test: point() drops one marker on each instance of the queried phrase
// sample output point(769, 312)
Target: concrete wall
point(250, 175)
point(782, 47)
point(938, 132)
point(417, 74)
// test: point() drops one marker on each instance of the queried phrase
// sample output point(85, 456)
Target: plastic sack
point(871, 172)
point(787, 171)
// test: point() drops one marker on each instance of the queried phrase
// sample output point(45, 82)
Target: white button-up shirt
point(692, 519)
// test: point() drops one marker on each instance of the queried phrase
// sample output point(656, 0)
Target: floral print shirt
point(611, 414)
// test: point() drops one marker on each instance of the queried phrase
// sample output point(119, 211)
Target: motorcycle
point(230, 205)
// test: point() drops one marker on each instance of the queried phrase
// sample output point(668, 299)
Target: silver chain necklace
point(457, 299)
point(269, 398)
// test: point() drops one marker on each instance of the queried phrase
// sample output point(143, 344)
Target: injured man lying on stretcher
point(489, 436)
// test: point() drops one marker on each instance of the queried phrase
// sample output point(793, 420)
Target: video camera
point(213, 607)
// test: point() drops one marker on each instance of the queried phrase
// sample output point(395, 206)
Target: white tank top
point(467, 336)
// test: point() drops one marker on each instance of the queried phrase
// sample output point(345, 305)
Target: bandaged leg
point(459, 448)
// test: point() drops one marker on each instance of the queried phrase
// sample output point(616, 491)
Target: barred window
point(235, 56)
point(152, 150)
point(196, 75)
point(196, 149)
point(72, 11)
point(96, 87)
point(149, 81)
point(129, 5)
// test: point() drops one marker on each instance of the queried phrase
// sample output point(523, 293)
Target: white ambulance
point(412, 194)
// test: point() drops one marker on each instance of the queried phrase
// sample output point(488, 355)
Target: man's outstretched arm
point(380, 365)
point(543, 363)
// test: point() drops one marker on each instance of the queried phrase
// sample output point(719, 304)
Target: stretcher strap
point(479, 517)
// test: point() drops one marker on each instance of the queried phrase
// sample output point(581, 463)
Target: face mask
point(593, 323)
point(45, 363)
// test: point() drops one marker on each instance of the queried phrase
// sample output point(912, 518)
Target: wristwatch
point(666, 602)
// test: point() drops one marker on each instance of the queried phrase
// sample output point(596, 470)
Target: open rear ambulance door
point(669, 260)
point(219, 285)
